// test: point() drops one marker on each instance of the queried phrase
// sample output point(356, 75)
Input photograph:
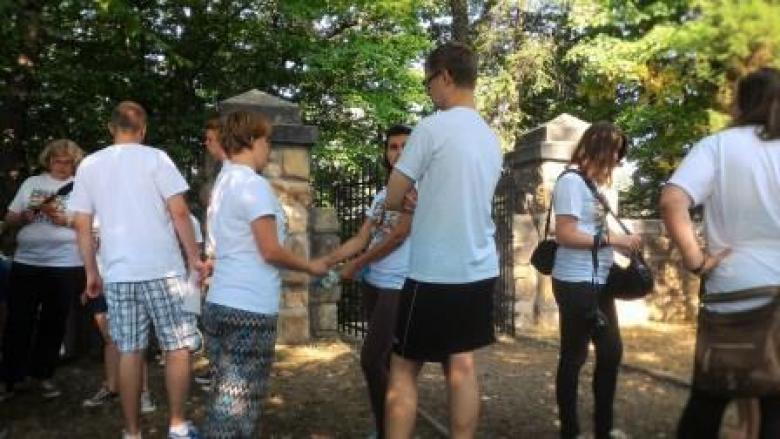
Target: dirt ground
point(317, 391)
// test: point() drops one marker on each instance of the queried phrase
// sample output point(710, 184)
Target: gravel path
point(317, 391)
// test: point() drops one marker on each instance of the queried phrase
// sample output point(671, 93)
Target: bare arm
point(674, 206)
point(14, 219)
point(353, 245)
point(82, 222)
point(397, 187)
point(566, 234)
point(267, 241)
point(180, 215)
point(392, 240)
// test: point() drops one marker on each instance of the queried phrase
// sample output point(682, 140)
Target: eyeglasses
point(427, 81)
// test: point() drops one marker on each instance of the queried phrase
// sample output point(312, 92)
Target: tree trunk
point(460, 21)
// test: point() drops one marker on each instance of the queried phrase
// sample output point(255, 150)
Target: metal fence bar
point(350, 194)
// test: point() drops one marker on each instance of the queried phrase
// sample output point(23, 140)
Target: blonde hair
point(61, 147)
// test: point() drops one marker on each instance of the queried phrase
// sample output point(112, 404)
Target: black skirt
point(437, 320)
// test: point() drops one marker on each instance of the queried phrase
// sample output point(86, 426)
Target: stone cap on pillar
point(285, 117)
point(551, 141)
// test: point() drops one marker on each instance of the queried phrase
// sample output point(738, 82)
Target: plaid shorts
point(132, 306)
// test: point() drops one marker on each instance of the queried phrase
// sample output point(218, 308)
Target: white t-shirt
point(209, 250)
point(390, 271)
point(127, 187)
point(242, 279)
point(736, 176)
point(455, 159)
point(571, 196)
point(42, 243)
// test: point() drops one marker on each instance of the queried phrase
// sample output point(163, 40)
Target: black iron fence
point(350, 194)
point(503, 216)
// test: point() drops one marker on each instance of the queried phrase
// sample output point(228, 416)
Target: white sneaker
point(618, 434)
point(49, 390)
point(147, 404)
point(101, 397)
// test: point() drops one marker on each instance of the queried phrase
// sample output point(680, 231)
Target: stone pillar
point(675, 297)
point(323, 305)
point(289, 174)
point(540, 155)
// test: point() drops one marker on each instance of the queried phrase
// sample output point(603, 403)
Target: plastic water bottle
point(191, 296)
point(330, 280)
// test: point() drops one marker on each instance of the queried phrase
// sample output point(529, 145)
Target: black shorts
point(97, 305)
point(438, 320)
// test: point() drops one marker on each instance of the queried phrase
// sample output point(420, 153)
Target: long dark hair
point(595, 152)
point(758, 102)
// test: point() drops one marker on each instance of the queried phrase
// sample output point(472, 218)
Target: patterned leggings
point(240, 347)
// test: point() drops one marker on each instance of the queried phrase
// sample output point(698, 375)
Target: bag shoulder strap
point(733, 296)
point(552, 199)
point(601, 199)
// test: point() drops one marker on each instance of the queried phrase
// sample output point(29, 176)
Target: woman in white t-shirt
point(586, 313)
point(247, 226)
point(47, 273)
point(735, 175)
point(386, 263)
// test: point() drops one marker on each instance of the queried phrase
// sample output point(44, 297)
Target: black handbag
point(543, 256)
point(632, 282)
point(635, 281)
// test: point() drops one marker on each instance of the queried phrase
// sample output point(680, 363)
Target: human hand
point(627, 243)
point(710, 262)
point(209, 264)
point(94, 285)
point(28, 216)
point(349, 269)
point(50, 209)
point(195, 264)
point(410, 201)
point(318, 267)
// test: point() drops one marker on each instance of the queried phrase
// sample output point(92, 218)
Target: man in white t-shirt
point(137, 195)
point(445, 309)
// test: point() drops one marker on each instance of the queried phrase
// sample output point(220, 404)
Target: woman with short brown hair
point(247, 226)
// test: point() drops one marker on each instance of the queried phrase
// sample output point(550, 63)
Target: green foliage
point(345, 62)
point(664, 70)
point(667, 70)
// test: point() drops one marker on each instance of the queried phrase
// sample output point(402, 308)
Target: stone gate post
point(289, 174)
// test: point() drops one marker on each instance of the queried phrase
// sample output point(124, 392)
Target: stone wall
point(323, 308)
point(288, 172)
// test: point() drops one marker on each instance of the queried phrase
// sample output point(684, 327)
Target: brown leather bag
point(738, 352)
